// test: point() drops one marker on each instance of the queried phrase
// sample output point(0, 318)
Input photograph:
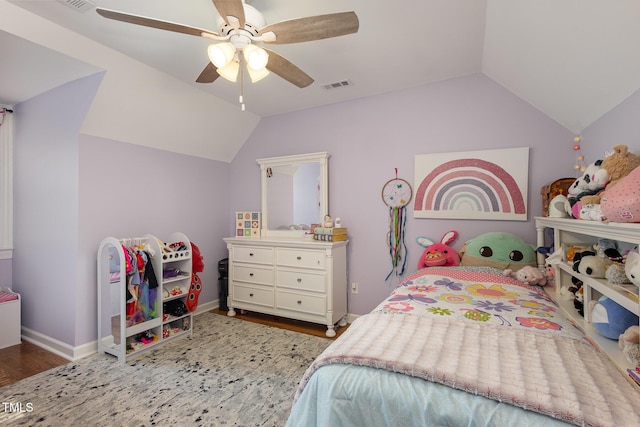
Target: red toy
point(439, 254)
point(196, 283)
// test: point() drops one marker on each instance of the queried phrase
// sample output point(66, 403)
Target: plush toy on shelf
point(616, 165)
point(629, 343)
point(611, 319)
point(591, 182)
point(438, 254)
point(632, 267)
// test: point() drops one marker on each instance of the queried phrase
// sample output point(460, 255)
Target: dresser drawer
point(300, 258)
point(253, 274)
point(253, 254)
point(301, 302)
point(301, 280)
point(253, 295)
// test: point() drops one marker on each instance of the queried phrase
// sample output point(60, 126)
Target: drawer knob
point(299, 302)
point(250, 274)
point(250, 253)
point(299, 280)
point(251, 295)
point(299, 258)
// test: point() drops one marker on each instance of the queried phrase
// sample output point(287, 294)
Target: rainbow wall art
point(490, 184)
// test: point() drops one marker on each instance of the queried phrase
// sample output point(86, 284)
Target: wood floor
point(24, 360)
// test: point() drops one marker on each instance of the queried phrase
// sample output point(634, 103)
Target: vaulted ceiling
point(572, 59)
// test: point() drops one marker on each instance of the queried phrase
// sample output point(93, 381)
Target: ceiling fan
point(240, 27)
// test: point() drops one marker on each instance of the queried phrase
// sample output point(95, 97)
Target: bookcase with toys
point(570, 234)
point(143, 286)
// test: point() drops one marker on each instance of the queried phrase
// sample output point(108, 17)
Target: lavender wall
point(619, 126)
point(127, 190)
point(73, 190)
point(46, 207)
point(5, 273)
point(370, 137)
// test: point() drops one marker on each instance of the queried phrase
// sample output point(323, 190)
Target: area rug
point(230, 373)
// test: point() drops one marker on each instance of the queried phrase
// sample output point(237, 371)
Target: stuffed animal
point(438, 254)
point(621, 203)
point(528, 275)
point(590, 264)
point(629, 342)
point(591, 182)
point(632, 267)
point(615, 274)
point(608, 248)
point(611, 319)
point(498, 249)
point(617, 165)
point(557, 207)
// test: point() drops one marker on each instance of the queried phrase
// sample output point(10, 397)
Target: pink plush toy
point(438, 254)
point(528, 275)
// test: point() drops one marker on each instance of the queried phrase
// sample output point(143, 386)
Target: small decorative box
point(248, 224)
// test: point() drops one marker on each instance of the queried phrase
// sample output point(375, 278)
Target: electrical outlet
point(354, 287)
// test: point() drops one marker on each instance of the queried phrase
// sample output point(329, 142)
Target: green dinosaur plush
point(498, 249)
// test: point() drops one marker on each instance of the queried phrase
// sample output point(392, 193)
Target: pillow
point(621, 203)
point(499, 250)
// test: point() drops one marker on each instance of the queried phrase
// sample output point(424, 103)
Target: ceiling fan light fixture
point(221, 54)
point(257, 75)
point(230, 71)
point(256, 57)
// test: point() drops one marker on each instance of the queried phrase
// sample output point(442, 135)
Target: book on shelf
point(335, 231)
point(330, 237)
point(635, 375)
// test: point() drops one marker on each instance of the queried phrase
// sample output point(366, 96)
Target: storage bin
point(9, 318)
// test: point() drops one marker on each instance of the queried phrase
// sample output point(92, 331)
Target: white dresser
point(293, 278)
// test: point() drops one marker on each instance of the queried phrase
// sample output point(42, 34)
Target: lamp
point(230, 71)
point(256, 57)
point(257, 75)
point(221, 54)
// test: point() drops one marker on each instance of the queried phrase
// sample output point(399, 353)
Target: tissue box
point(9, 318)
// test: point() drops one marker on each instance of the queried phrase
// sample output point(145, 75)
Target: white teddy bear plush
point(632, 267)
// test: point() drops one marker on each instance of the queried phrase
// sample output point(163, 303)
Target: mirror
point(294, 193)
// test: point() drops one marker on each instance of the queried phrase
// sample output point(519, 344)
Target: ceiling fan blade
point(208, 75)
point(287, 70)
point(312, 28)
point(230, 8)
point(154, 23)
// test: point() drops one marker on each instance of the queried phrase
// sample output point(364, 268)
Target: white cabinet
point(572, 231)
point(298, 279)
point(140, 309)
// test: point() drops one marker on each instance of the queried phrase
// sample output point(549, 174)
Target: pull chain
point(241, 98)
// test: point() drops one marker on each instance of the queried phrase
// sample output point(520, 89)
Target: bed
point(463, 346)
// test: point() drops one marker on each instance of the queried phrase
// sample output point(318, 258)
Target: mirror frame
point(322, 158)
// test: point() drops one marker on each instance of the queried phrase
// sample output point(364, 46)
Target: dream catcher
point(396, 194)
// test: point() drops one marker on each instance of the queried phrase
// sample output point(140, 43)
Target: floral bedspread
point(477, 294)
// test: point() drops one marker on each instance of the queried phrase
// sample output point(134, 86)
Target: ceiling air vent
point(79, 5)
point(336, 85)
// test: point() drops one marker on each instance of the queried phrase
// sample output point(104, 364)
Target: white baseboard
point(58, 347)
point(72, 353)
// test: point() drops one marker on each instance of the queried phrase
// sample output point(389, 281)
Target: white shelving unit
point(123, 335)
point(571, 231)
